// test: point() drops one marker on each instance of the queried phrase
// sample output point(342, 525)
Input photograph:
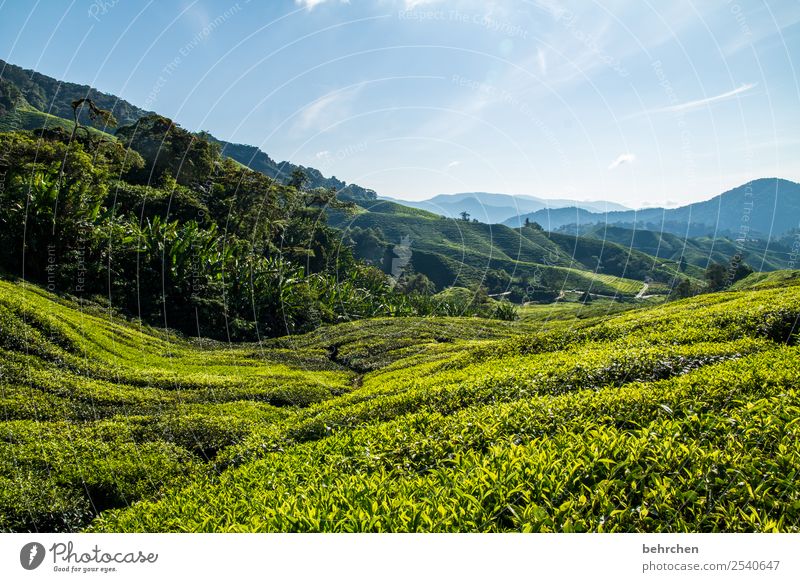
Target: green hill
point(27, 117)
point(55, 97)
point(681, 417)
point(23, 91)
point(458, 252)
point(767, 280)
point(526, 264)
point(697, 251)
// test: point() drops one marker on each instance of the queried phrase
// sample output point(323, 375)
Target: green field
point(674, 417)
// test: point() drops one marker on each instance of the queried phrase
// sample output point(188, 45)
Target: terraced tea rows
point(676, 417)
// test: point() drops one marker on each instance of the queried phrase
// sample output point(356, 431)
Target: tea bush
point(673, 417)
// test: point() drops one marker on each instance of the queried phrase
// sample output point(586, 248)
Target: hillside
point(255, 159)
point(767, 207)
point(697, 251)
point(525, 264)
point(55, 97)
point(29, 100)
point(26, 117)
point(601, 424)
point(467, 253)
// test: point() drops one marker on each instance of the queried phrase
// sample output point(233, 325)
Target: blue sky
point(642, 103)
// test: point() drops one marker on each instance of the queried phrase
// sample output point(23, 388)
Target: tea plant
point(672, 417)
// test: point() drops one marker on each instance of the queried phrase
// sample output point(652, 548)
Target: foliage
point(506, 311)
point(171, 232)
point(677, 417)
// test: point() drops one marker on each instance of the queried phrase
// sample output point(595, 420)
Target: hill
point(468, 253)
point(55, 97)
point(697, 251)
point(29, 100)
point(26, 117)
point(765, 208)
point(433, 424)
point(523, 263)
point(255, 159)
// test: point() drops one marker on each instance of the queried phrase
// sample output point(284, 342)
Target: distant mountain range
point(766, 208)
point(494, 208)
point(449, 251)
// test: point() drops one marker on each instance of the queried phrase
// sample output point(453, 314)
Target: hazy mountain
point(763, 208)
point(493, 208)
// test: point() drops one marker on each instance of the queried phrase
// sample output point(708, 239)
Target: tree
point(368, 244)
point(298, 179)
point(95, 113)
point(532, 224)
point(683, 264)
point(464, 215)
point(416, 283)
point(682, 290)
point(715, 277)
point(738, 269)
point(168, 149)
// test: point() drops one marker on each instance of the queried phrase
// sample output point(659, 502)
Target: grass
point(30, 118)
point(767, 280)
point(677, 416)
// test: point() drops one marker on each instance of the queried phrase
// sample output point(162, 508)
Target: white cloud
point(310, 4)
point(411, 4)
point(323, 154)
point(689, 105)
point(541, 58)
point(453, 164)
point(327, 110)
point(621, 159)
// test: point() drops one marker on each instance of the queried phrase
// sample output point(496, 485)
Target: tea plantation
point(683, 416)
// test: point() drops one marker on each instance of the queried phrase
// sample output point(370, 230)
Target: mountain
point(764, 208)
point(494, 208)
point(29, 100)
point(521, 260)
point(698, 251)
point(399, 238)
point(449, 252)
point(25, 87)
point(255, 159)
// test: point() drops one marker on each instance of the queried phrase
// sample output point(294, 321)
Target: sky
point(642, 103)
